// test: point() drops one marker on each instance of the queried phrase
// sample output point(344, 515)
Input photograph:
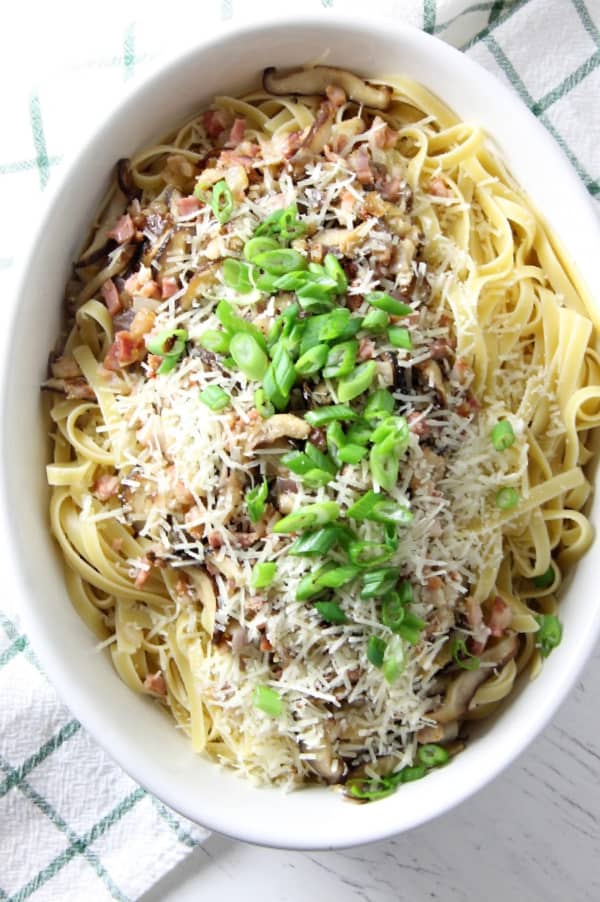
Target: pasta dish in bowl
point(321, 402)
point(321, 419)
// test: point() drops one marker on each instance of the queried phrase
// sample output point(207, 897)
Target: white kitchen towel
point(72, 824)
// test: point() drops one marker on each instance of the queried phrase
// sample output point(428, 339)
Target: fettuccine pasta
point(321, 419)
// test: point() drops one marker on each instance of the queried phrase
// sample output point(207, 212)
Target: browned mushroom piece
point(446, 732)
point(282, 425)
point(463, 688)
point(319, 134)
point(317, 79)
point(125, 179)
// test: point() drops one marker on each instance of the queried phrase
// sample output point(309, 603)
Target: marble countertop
point(531, 836)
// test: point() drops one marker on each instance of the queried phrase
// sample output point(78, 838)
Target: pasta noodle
point(485, 343)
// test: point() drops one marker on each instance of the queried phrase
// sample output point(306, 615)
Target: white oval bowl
point(131, 728)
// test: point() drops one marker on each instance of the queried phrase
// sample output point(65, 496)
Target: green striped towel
point(97, 835)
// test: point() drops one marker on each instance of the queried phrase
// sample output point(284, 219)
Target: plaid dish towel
point(72, 824)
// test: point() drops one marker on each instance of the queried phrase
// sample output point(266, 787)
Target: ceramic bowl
point(131, 728)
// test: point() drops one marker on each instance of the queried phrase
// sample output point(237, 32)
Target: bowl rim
point(118, 746)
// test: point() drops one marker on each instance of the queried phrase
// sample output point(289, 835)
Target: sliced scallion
point(502, 435)
point(357, 382)
point(222, 201)
point(268, 700)
point(248, 355)
point(376, 650)
point(322, 415)
point(330, 612)
point(399, 337)
point(308, 517)
point(215, 398)
point(256, 500)
point(263, 575)
point(386, 302)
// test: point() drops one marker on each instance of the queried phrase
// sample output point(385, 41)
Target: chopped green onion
point(280, 261)
point(314, 297)
point(546, 579)
point(374, 506)
point(341, 359)
point(405, 592)
point(376, 650)
point(503, 435)
point(333, 325)
point(380, 404)
point(268, 700)
point(359, 433)
point(334, 268)
point(279, 377)
point(376, 321)
point(336, 440)
point(215, 398)
point(351, 454)
point(378, 582)
point(322, 415)
point(386, 302)
point(411, 627)
point(330, 612)
point(394, 429)
point(462, 657)
point(214, 340)
point(292, 281)
point(392, 611)
point(370, 790)
point(338, 576)
point(248, 355)
point(384, 464)
point(258, 246)
point(168, 364)
point(357, 382)
point(549, 634)
point(409, 774)
point(319, 459)
point(392, 668)
point(312, 360)
point(321, 540)
point(290, 226)
point(317, 477)
point(236, 275)
point(266, 281)
point(432, 755)
point(263, 575)
point(284, 223)
point(369, 554)
point(222, 201)
point(234, 323)
point(256, 500)
point(170, 343)
point(399, 337)
point(264, 407)
point(308, 586)
point(308, 516)
point(297, 462)
point(507, 498)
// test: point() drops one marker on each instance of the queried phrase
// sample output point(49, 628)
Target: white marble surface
point(531, 836)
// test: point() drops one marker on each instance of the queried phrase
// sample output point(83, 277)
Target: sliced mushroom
point(441, 733)
point(317, 79)
point(283, 493)
point(282, 425)
point(97, 252)
point(330, 769)
point(71, 388)
point(432, 378)
point(125, 179)
point(464, 687)
point(319, 134)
